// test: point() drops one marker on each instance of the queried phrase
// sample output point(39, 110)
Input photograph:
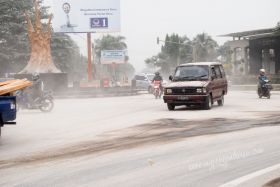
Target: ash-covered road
point(136, 141)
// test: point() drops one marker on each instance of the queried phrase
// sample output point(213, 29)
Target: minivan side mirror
point(171, 77)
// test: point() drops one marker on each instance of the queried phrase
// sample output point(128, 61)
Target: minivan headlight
point(199, 90)
point(204, 90)
point(169, 91)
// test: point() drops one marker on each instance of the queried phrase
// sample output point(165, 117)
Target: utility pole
point(89, 57)
point(179, 53)
point(194, 54)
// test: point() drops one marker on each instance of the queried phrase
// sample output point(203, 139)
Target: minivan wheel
point(170, 106)
point(221, 101)
point(208, 103)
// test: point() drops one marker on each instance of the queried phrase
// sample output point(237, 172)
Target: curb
point(93, 95)
point(276, 87)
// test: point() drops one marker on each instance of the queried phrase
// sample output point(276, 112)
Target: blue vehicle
point(7, 111)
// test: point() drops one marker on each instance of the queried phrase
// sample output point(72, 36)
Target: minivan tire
point(208, 103)
point(221, 101)
point(170, 106)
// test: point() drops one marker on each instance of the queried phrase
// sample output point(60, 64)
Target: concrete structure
point(239, 52)
point(253, 50)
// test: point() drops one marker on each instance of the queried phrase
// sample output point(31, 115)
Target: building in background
point(256, 49)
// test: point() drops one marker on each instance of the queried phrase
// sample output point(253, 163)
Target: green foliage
point(225, 53)
point(126, 69)
point(14, 42)
point(66, 56)
point(14, 50)
point(205, 48)
point(177, 50)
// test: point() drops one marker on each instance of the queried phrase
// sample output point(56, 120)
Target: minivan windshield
point(192, 72)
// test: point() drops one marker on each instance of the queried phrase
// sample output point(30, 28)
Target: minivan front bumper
point(184, 99)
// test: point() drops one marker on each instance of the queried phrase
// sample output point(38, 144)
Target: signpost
point(86, 16)
point(113, 56)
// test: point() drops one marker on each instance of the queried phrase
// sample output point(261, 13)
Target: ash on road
point(159, 132)
point(98, 131)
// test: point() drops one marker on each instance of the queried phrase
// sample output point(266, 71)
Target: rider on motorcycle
point(262, 79)
point(158, 77)
point(36, 89)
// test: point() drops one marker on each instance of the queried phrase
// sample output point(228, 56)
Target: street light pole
point(179, 53)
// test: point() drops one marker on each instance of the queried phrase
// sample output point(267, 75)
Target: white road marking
point(248, 177)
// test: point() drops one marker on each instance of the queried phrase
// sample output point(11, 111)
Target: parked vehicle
point(7, 111)
point(44, 103)
point(264, 89)
point(144, 82)
point(156, 89)
point(200, 83)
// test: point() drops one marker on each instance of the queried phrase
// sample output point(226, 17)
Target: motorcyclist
point(262, 79)
point(36, 89)
point(158, 77)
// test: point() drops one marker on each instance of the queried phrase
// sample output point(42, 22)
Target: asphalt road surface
point(136, 141)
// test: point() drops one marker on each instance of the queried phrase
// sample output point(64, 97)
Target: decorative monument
point(41, 58)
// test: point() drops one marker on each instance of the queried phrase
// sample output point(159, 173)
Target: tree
point(176, 50)
point(15, 47)
point(204, 48)
point(66, 56)
point(225, 53)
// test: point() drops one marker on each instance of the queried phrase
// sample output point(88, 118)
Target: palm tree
point(204, 48)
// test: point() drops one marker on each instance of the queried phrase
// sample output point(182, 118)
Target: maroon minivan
point(199, 83)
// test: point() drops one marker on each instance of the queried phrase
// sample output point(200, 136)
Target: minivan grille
point(183, 91)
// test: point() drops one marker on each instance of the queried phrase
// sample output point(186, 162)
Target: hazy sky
point(143, 20)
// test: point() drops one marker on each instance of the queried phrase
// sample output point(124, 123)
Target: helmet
point(262, 71)
point(157, 73)
point(35, 76)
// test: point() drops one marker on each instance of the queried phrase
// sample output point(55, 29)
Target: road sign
point(113, 57)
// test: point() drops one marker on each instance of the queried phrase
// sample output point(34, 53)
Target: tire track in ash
point(159, 132)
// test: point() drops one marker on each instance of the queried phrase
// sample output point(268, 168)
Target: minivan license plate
point(183, 98)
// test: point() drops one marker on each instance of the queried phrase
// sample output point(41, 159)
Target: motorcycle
point(156, 89)
point(264, 89)
point(44, 102)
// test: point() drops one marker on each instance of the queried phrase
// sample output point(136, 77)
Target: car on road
point(199, 83)
point(143, 81)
